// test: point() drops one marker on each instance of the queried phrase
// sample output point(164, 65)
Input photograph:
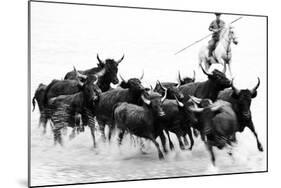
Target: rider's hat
point(217, 13)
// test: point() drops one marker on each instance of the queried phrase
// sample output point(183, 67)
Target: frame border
point(129, 7)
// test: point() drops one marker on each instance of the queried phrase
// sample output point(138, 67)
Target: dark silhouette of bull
point(39, 98)
point(140, 120)
point(110, 76)
point(217, 81)
point(172, 90)
point(221, 121)
point(241, 102)
point(178, 118)
point(64, 108)
point(131, 94)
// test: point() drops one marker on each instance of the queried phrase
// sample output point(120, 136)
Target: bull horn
point(158, 82)
point(179, 81)
point(151, 88)
point(165, 95)
point(195, 109)
point(141, 77)
point(256, 87)
point(79, 74)
point(96, 82)
point(193, 79)
point(100, 61)
point(122, 78)
point(204, 71)
point(179, 76)
point(224, 69)
point(145, 100)
point(195, 99)
point(215, 107)
point(178, 102)
point(236, 90)
point(119, 61)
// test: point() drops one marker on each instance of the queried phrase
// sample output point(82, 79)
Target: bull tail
point(33, 103)
point(113, 110)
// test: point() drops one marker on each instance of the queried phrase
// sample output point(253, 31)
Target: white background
point(14, 93)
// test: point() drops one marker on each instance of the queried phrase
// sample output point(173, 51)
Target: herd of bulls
point(215, 108)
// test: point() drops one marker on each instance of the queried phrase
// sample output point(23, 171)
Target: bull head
point(165, 89)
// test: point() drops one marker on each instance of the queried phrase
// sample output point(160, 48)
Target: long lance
point(203, 38)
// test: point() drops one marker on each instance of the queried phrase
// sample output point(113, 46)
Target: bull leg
point(210, 149)
point(92, 128)
point(120, 137)
point(57, 136)
point(180, 142)
point(195, 132)
point(170, 141)
point(259, 145)
point(101, 128)
point(73, 133)
point(163, 141)
point(190, 138)
point(160, 154)
point(43, 121)
point(109, 133)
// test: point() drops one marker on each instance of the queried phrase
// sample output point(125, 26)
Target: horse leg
point(163, 141)
point(160, 154)
point(170, 141)
point(252, 128)
point(229, 68)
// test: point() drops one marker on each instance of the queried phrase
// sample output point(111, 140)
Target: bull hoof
point(161, 156)
point(190, 148)
point(260, 148)
point(182, 148)
point(172, 147)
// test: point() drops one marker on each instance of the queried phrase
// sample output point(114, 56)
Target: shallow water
point(60, 40)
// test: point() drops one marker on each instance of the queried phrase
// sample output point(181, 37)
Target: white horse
point(222, 52)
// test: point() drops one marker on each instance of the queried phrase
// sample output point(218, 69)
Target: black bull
point(131, 94)
point(222, 121)
point(110, 76)
point(140, 120)
point(64, 108)
point(241, 103)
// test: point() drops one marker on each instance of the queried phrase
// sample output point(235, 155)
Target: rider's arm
point(211, 27)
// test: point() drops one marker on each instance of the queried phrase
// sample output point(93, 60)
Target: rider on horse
point(216, 26)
